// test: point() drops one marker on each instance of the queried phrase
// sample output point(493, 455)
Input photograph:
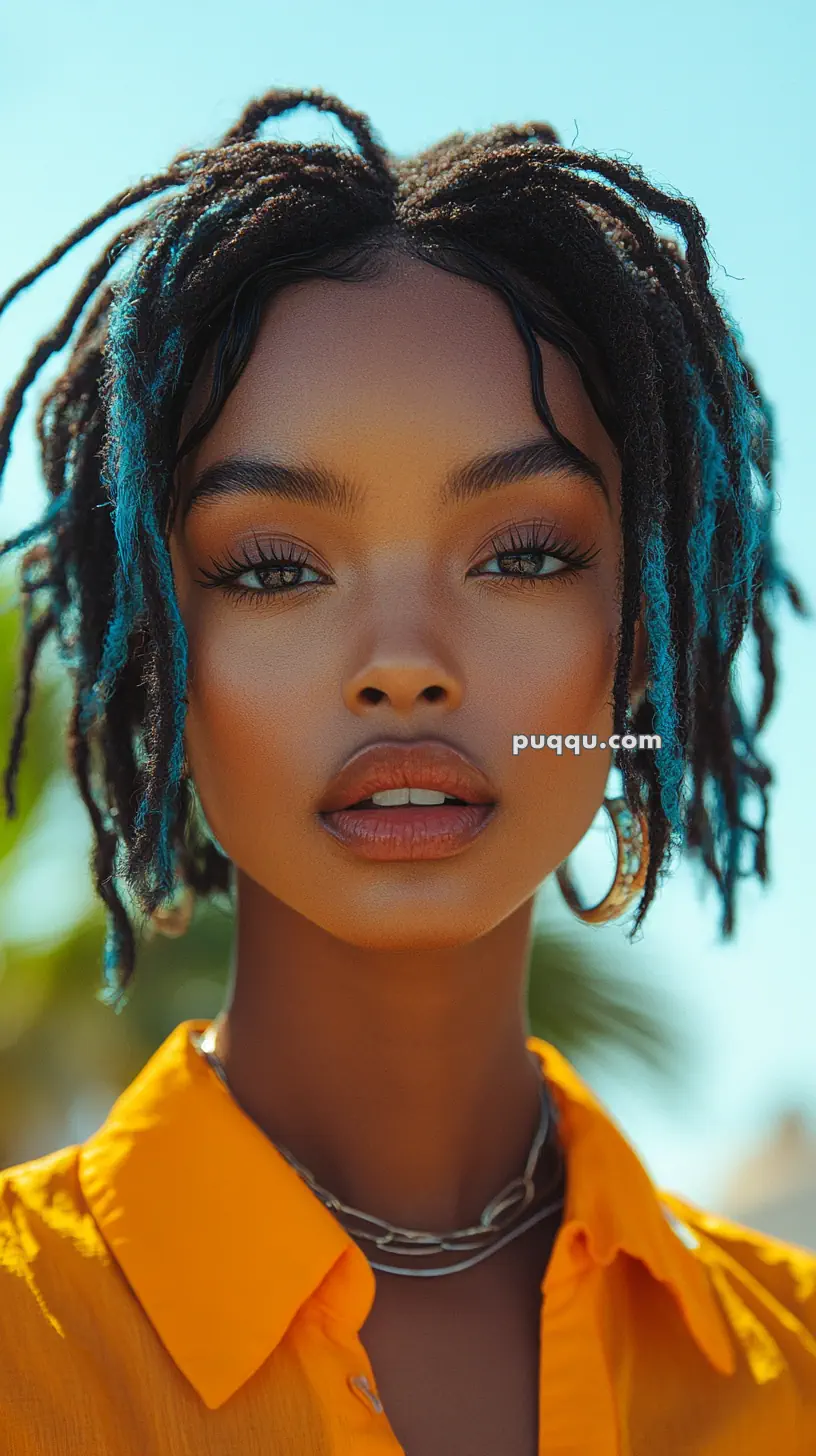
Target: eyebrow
point(312, 485)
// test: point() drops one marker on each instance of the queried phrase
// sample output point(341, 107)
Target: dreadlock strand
point(56, 340)
point(277, 102)
point(119, 955)
point(175, 176)
point(32, 644)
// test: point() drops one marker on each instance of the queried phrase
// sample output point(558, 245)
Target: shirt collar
point(613, 1204)
point(223, 1243)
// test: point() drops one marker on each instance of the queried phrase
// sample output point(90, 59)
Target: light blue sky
point(715, 99)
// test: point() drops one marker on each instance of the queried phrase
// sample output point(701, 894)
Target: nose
point(403, 685)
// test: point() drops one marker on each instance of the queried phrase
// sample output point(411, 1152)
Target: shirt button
point(361, 1386)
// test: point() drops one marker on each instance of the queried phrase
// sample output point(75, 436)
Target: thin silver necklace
point(499, 1222)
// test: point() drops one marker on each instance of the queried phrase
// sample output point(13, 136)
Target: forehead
point(417, 358)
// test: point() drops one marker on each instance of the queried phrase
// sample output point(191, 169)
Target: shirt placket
point(578, 1414)
point(361, 1425)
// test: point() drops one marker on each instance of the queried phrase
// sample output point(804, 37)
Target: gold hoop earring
point(174, 918)
point(632, 834)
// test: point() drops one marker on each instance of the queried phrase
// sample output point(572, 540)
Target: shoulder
point(752, 1269)
point(58, 1311)
point(47, 1239)
point(37, 1189)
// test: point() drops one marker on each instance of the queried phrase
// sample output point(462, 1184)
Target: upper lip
point(423, 764)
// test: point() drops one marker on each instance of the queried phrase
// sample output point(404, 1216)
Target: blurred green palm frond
point(592, 1013)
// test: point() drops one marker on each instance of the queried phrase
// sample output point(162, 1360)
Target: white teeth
point(390, 798)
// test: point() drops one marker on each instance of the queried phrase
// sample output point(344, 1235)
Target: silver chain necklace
point(499, 1222)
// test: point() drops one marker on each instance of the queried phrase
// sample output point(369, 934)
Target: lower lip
point(408, 833)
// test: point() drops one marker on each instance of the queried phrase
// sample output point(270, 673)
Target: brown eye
point(264, 574)
point(523, 552)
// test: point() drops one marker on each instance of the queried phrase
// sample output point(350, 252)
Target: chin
point(408, 929)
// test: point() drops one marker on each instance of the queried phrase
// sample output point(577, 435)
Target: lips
point(422, 764)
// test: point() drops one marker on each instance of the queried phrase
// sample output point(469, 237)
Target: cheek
point(255, 703)
point(550, 670)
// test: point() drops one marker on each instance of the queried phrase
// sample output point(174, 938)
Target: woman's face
point(404, 621)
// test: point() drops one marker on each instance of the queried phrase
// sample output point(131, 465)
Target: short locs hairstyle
point(587, 253)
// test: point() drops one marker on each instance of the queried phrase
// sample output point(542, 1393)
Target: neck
point(400, 1079)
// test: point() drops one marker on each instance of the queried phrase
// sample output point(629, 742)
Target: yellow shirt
point(172, 1286)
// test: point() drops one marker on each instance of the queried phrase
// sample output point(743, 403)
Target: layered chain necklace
point(501, 1221)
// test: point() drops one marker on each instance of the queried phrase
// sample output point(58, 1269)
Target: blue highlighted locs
point(714, 488)
point(753, 567)
point(750, 426)
point(165, 864)
point(155, 391)
point(717, 486)
point(662, 691)
point(111, 994)
point(209, 220)
point(134, 399)
point(138, 392)
point(715, 602)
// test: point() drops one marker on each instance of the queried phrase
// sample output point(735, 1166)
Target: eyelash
point(536, 538)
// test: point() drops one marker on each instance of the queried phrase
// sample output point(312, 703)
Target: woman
point(364, 471)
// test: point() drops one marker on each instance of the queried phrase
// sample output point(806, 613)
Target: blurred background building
point(774, 1187)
